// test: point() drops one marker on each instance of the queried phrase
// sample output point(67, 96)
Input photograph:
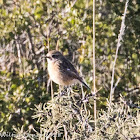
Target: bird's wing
point(68, 68)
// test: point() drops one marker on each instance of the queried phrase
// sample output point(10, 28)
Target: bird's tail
point(85, 84)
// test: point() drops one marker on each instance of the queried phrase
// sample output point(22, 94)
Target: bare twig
point(66, 133)
point(51, 89)
point(68, 9)
point(18, 50)
point(129, 103)
point(94, 88)
point(118, 46)
point(31, 44)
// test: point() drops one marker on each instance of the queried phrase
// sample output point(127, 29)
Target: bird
point(62, 71)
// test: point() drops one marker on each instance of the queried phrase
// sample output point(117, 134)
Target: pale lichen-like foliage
point(66, 117)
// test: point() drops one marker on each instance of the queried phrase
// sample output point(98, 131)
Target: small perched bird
point(61, 71)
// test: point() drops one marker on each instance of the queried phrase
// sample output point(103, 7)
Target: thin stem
point(83, 97)
point(94, 88)
point(118, 46)
point(51, 89)
point(66, 133)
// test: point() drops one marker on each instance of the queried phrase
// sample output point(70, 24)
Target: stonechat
point(61, 71)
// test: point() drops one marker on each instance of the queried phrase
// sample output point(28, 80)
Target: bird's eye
point(54, 56)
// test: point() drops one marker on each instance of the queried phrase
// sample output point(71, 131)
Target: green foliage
point(29, 28)
point(17, 101)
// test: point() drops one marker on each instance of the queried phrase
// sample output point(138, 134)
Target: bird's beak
point(48, 57)
point(44, 58)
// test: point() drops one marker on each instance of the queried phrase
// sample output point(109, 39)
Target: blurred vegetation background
point(29, 28)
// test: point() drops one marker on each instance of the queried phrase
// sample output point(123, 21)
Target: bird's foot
point(62, 93)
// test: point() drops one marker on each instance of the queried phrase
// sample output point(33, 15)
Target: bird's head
point(54, 56)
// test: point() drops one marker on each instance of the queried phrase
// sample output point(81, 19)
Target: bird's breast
point(59, 76)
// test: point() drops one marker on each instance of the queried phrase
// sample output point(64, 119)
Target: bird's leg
point(83, 95)
point(62, 90)
point(68, 90)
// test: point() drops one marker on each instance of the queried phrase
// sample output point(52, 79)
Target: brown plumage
point(61, 71)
